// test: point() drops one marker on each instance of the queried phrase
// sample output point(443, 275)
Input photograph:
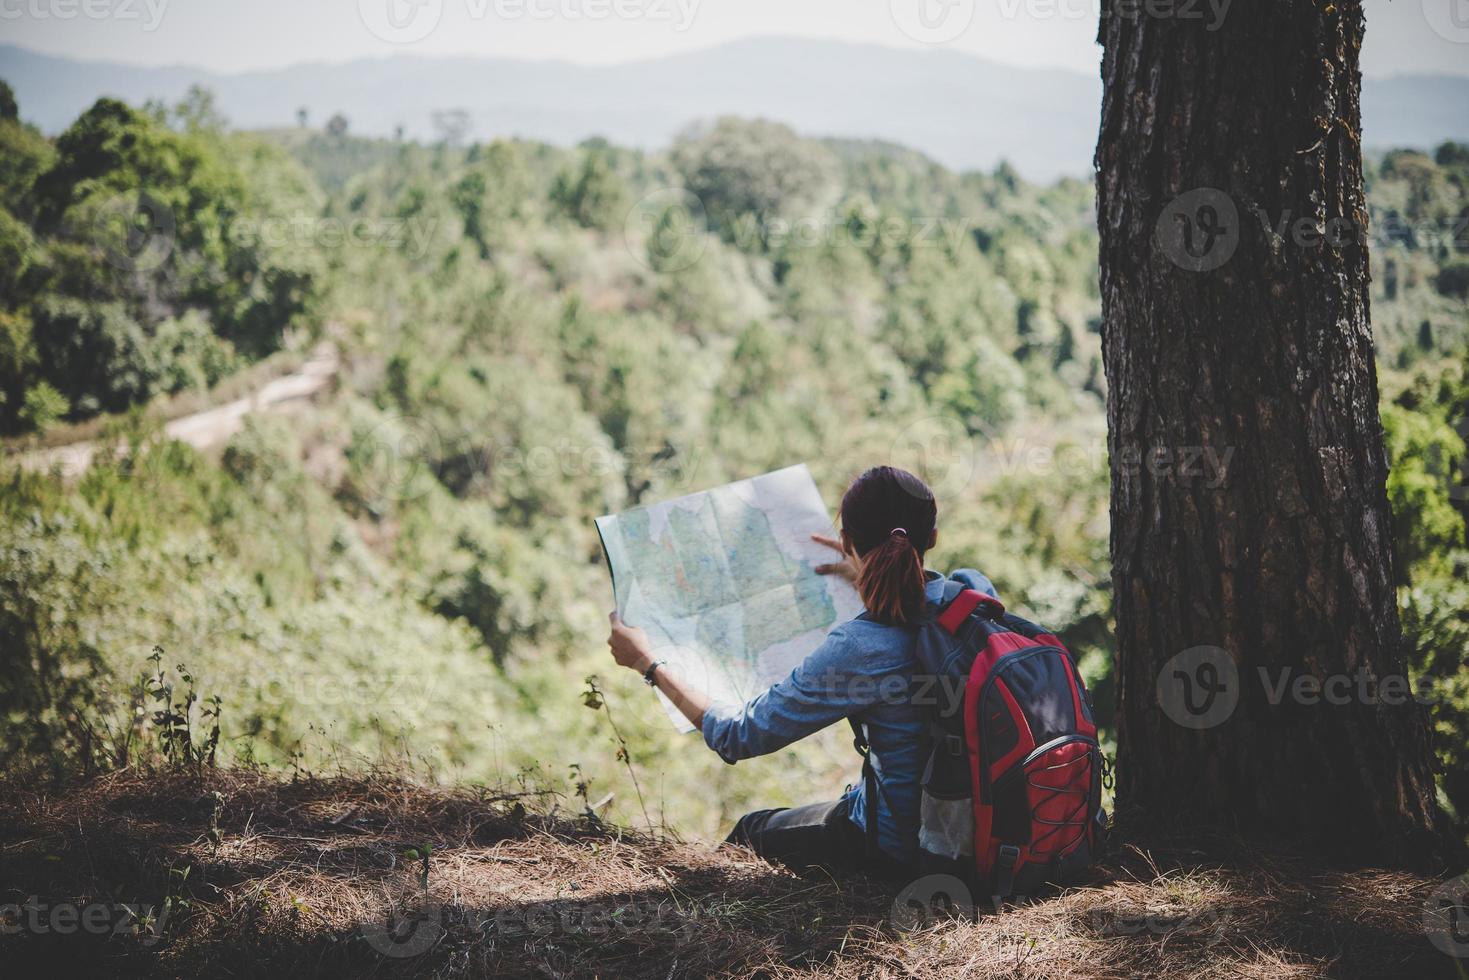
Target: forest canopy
point(532, 335)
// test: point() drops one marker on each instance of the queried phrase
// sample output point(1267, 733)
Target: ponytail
point(889, 516)
point(891, 581)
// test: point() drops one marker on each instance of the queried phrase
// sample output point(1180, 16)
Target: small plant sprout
point(421, 852)
point(594, 697)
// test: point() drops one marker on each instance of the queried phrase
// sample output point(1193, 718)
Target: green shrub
point(44, 407)
point(94, 353)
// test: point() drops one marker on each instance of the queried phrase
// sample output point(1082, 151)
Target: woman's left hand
point(846, 568)
point(630, 647)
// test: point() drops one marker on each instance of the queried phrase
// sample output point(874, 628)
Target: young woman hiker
point(861, 671)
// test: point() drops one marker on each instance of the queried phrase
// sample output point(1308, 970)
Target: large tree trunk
point(1250, 528)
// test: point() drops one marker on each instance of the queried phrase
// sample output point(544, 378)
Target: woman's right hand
point(629, 644)
point(846, 568)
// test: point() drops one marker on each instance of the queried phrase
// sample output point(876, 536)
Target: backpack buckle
point(1005, 870)
point(954, 745)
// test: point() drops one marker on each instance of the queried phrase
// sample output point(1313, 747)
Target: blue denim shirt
point(862, 669)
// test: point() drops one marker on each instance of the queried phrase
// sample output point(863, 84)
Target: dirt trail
point(211, 426)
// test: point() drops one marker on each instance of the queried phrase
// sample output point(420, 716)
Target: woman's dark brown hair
point(889, 515)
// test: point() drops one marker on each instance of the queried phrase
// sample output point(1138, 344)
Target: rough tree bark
point(1249, 513)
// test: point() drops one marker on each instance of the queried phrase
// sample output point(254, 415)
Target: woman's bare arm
point(630, 648)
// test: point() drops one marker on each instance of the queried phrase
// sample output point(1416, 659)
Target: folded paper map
point(724, 581)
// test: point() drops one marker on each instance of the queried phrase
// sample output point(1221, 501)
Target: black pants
point(815, 835)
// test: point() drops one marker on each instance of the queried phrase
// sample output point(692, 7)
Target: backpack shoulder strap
point(870, 787)
point(955, 611)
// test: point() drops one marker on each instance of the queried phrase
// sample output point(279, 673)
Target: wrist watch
point(648, 674)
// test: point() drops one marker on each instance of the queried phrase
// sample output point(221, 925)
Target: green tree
point(198, 112)
point(95, 354)
point(24, 155)
point(754, 168)
point(591, 193)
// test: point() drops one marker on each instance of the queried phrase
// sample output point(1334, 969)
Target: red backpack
point(1011, 794)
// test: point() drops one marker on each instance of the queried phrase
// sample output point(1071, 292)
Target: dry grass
point(305, 878)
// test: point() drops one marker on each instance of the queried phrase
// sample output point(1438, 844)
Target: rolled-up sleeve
point(832, 683)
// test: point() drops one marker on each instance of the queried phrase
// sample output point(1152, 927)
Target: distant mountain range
point(963, 111)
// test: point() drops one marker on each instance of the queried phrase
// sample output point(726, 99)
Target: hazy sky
point(237, 35)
